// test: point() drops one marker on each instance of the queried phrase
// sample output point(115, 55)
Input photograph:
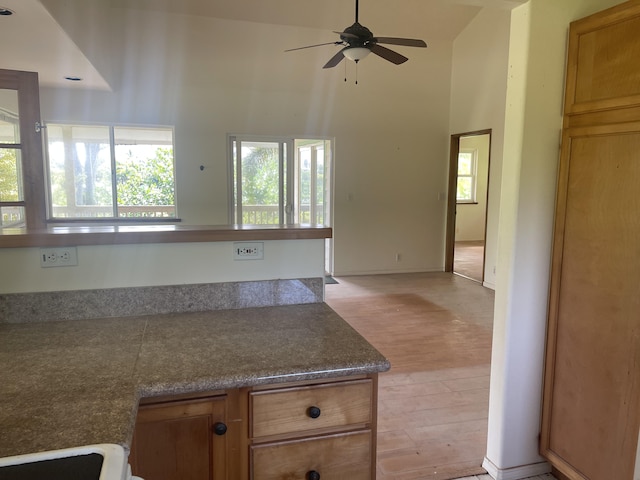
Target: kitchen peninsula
point(164, 318)
point(73, 383)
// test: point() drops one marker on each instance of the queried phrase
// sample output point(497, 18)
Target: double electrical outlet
point(248, 250)
point(58, 257)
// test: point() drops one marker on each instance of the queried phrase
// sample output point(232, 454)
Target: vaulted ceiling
point(49, 37)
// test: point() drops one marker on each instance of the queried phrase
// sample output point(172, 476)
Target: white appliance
point(114, 460)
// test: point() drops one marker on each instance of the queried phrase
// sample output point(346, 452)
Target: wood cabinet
point(591, 407)
point(308, 431)
point(346, 456)
point(181, 440)
point(322, 431)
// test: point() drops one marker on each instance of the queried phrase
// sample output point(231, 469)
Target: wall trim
point(490, 285)
point(515, 473)
point(348, 273)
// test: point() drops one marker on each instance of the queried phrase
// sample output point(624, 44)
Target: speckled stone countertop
point(72, 383)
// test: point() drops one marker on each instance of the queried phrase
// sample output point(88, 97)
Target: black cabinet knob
point(313, 412)
point(219, 428)
point(313, 475)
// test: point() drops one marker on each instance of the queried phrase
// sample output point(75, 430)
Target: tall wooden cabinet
point(591, 408)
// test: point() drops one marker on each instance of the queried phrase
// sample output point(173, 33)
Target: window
point(311, 181)
point(467, 170)
point(11, 183)
point(21, 202)
point(279, 181)
point(122, 172)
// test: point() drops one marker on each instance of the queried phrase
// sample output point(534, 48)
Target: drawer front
point(338, 457)
point(291, 410)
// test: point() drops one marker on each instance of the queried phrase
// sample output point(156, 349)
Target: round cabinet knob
point(219, 428)
point(313, 475)
point(313, 412)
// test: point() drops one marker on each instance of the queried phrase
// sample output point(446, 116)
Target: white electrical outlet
point(58, 257)
point(248, 250)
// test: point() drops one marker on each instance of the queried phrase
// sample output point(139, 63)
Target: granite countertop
point(72, 383)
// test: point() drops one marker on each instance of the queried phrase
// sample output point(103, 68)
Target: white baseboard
point(355, 273)
point(515, 473)
point(490, 285)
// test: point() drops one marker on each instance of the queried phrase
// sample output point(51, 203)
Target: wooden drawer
point(288, 410)
point(345, 456)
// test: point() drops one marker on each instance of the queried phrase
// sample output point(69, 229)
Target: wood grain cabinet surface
point(299, 410)
point(591, 406)
point(344, 456)
point(317, 430)
point(323, 431)
point(177, 440)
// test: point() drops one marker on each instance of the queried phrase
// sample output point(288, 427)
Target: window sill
point(124, 234)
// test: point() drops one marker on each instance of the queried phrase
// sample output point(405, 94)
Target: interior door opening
point(467, 204)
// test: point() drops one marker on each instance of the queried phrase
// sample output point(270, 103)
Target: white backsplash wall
point(117, 266)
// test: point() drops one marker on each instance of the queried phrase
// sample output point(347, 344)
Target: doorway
point(467, 204)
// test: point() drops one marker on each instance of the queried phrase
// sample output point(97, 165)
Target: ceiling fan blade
point(408, 42)
point(335, 60)
point(312, 46)
point(346, 34)
point(390, 55)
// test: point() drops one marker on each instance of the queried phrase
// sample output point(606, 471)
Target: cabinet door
point(178, 440)
point(592, 387)
point(602, 68)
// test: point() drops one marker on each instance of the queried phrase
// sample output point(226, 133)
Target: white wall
point(533, 121)
point(471, 217)
point(116, 266)
point(210, 77)
point(478, 101)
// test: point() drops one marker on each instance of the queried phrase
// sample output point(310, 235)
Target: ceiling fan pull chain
point(345, 71)
point(356, 73)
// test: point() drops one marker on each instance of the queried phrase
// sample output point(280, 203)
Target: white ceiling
point(444, 18)
point(35, 40)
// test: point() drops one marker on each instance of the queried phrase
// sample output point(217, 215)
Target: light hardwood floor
point(468, 259)
point(546, 476)
point(436, 329)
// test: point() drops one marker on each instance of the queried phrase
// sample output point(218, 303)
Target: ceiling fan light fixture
point(356, 53)
point(357, 41)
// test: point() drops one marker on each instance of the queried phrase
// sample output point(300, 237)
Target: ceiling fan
point(358, 41)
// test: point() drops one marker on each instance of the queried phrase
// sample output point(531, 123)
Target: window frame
point(473, 176)
point(114, 219)
point(290, 200)
point(30, 145)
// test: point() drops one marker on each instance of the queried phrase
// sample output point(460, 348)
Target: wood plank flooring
point(468, 259)
point(436, 329)
point(546, 476)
